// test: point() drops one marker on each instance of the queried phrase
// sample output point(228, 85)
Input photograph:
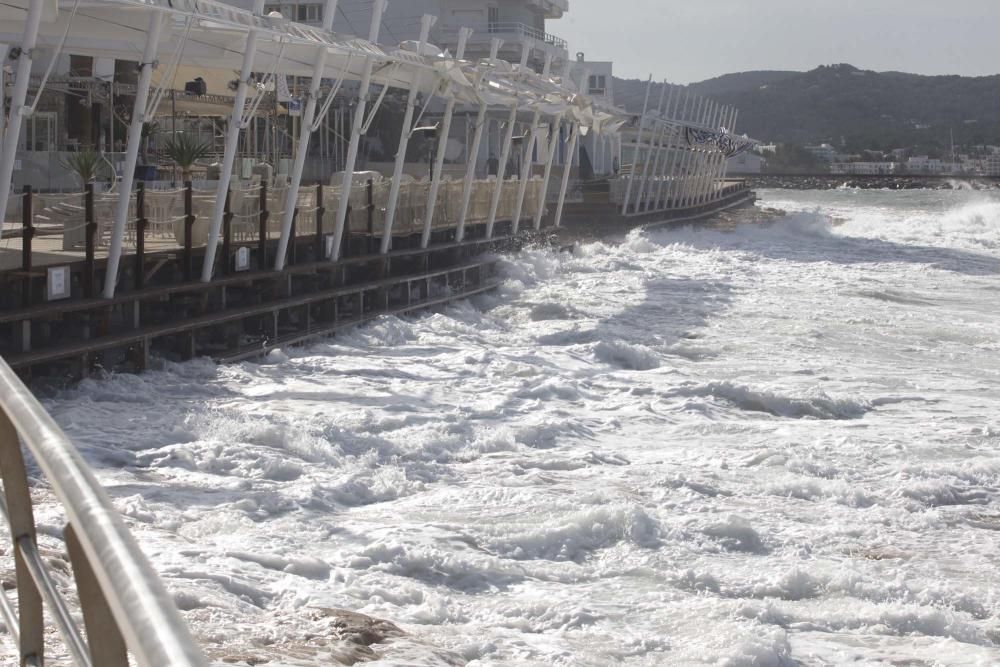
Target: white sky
point(692, 40)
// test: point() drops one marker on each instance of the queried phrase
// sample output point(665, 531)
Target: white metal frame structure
point(125, 607)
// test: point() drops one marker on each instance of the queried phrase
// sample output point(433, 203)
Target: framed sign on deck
point(243, 259)
point(57, 283)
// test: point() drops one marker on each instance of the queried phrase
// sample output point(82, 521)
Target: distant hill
point(844, 105)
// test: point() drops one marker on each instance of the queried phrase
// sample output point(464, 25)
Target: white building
point(923, 164)
point(747, 163)
point(993, 165)
point(518, 23)
point(864, 168)
point(599, 153)
point(824, 152)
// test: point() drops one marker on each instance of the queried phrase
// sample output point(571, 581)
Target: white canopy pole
point(426, 22)
point(671, 147)
point(504, 154)
point(554, 128)
point(477, 138)
point(18, 95)
point(713, 158)
point(698, 157)
point(568, 162)
point(156, 22)
point(357, 128)
point(688, 157)
point(443, 133)
point(655, 136)
point(635, 153)
point(529, 149)
point(677, 159)
point(662, 153)
point(229, 152)
point(302, 149)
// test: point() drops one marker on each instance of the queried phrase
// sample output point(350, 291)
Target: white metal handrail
point(516, 28)
point(124, 604)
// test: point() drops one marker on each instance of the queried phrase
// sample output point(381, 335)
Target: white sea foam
point(773, 445)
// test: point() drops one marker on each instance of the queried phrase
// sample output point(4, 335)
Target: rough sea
point(769, 445)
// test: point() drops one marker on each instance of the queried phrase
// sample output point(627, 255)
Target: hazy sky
point(691, 40)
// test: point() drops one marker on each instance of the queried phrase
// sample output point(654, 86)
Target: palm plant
point(85, 163)
point(185, 151)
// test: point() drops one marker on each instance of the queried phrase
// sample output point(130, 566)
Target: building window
point(493, 20)
point(598, 84)
point(309, 13)
point(39, 132)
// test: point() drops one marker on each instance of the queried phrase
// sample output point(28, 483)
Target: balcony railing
point(514, 28)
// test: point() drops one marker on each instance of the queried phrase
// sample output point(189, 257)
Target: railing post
point(90, 237)
point(98, 618)
point(227, 235)
point(188, 230)
point(27, 234)
point(17, 494)
point(140, 235)
point(262, 228)
point(292, 237)
point(320, 210)
point(370, 208)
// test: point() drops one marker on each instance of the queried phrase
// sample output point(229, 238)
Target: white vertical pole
point(554, 127)
point(404, 140)
point(653, 198)
point(302, 149)
point(671, 145)
point(504, 154)
point(18, 95)
point(357, 128)
point(470, 168)
point(635, 153)
point(677, 159)
point(564, 186)
point(529, 149)
point(706, 156)
point(689, 155)
point(443, 133)
point(568, 162)
point(655, 143)
point(132, 151)
point(229, 152)
point(717, 158)
point(698, 167)
point(694, 155)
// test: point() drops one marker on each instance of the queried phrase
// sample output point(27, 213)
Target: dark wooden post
point(188, 229)
point(140, 235)
point(320, 246)
point(292, 238)
point(262, 239)
point(370, 191)
point(90, 238)
point(227, 233)
point(27, 234)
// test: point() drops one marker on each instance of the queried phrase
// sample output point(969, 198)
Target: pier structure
point(112, 276)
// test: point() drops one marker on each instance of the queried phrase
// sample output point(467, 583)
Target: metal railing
point(124, 605)
point(515, 28)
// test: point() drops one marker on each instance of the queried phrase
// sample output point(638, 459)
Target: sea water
point(768, 445)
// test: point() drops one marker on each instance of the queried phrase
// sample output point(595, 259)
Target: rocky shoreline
point(833, 182)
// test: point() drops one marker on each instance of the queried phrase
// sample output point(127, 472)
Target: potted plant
point(185, 151)
point(85, 163)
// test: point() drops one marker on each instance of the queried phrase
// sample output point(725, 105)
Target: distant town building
point(922, 164)
point(824, 152)
point(519, 23)
point(747, 163)
point(992, 165)
point(767, 148)
point(864, 168)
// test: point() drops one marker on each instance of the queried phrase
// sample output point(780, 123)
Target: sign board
point(329, 245)
point(58, 283)
point(243, 259)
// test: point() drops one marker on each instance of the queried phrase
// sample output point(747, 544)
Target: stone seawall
point(832, 182)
